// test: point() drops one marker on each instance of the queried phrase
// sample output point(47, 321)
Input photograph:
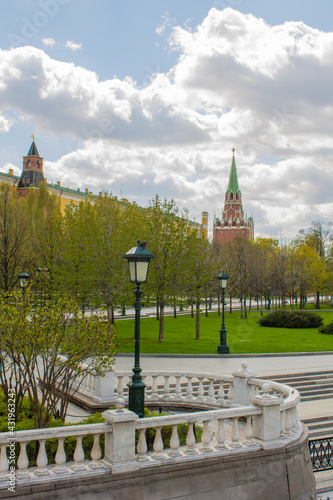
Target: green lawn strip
point(244, 335)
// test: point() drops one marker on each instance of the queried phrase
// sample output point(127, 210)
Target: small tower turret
point(32, 173)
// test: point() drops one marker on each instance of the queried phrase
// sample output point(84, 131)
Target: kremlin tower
point(233, 222)
point(32, 173)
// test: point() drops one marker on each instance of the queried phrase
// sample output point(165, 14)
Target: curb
point(226, 356)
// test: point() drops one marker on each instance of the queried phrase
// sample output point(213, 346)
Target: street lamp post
point(269, 298)
point(223, 348)
point(138, 259)
point(24, 278)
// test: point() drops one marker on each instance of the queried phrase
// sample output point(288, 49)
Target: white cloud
point(73, 45)
point(239, 82)
point(49, 42)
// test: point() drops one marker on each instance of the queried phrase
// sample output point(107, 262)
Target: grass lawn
point(244, 335)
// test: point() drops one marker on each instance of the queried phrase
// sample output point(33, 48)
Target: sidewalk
point(262, 364)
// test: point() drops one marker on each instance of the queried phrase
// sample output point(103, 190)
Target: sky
point(150, 97)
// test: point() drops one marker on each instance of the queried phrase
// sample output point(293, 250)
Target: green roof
point(233, 180)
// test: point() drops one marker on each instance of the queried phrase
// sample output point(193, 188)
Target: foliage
point(327, 329)
point(291, 319)
point(14, 236)
point(47, 349)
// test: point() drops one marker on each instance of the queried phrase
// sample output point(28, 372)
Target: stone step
point(317, 374)
point(321, 433)
point(325, 418)
point(314, 397)
point(312, 383)
point(320, 424)
point(316, 390)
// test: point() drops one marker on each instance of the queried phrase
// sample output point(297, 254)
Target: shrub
point(291, 319)
point(328, 329)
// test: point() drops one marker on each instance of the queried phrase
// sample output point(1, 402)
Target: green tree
point(201, 273)
point(14, 234)
point(318, 237)
point(49, 348)
point(167, 231)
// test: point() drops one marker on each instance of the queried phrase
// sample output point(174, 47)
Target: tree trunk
point(197, 321)
point(109, 315)
point(317, 304)
point(161, 325)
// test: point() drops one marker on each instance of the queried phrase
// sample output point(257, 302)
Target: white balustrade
point(62, 466)
point(243, 414)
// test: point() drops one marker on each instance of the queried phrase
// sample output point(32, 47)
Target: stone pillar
point(243, 391)
point(267, 426)
point(120, 442)
point(104, 388)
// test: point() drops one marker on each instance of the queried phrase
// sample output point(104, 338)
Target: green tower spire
point(233, 180)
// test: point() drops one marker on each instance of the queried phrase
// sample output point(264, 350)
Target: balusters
point(154, 389)
point(174, 442)
point(23, 462)
point(120, 389)
point(142, 447)
point(282, 422)
point(205, 438)
point(96, 454)
point(220, 435)
point(190, 440)
point(42, 461)
point(201, 391)
point(288, 423)
point(230, 396)
point(220, 394)
point(248, 433)
point(158, 445)
point(189, 389)
point(211, 392)
point(235, 434)
point(78, 455)
point(178, 390)
point(60, 458)
point(166, 394)
point(3, 461)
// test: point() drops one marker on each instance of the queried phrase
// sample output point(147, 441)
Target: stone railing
point(249, 415)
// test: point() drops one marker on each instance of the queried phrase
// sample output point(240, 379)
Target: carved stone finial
point(120, 403)
point(266, 389)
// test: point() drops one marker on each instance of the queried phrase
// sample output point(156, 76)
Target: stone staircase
point(313, 386)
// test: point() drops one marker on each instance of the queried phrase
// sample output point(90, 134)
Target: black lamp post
point(138, 262)
point(24, 278)
point(223, 348)
point(269, 298)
